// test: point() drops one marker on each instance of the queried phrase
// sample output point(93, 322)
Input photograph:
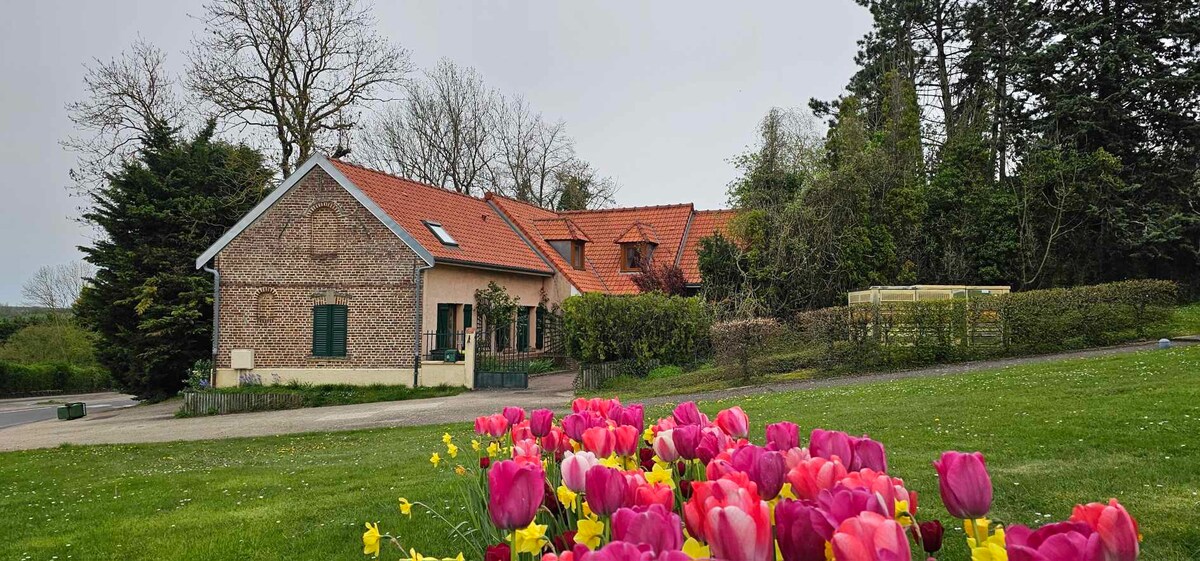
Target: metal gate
point(502, 357)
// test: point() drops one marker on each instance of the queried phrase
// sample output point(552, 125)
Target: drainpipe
point(419, 281)
point(216, 336)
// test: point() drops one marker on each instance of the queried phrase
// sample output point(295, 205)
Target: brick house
point(338, 273)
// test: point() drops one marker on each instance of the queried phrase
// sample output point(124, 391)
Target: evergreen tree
point(151, 308)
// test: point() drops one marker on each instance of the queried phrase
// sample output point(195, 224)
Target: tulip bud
point(664, 446)
point(484, 462)
point(515, 492)
point(540, 422)
point(575, 467)
point(783, 436)
point(829, 444)
point(965, 485)
point(606, 490)
point(931, 535)
point(687, 413)
point(1117, 529)
point(513, 415)
point(734, 422)
point(686, 438)
point(868, 454)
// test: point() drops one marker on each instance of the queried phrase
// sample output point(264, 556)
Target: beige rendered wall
point(451, 284)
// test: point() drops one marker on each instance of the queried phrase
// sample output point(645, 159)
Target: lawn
point(321, 395)
point(1054, 433)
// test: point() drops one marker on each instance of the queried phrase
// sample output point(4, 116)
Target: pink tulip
point(868, 454)
point(654, 525)
point(599, 440)
point(606, 490)
point(540, 422)
point(625, 551)
point(783, 436)
point(687, 413)
point(870, 537)
point(802, 529)
point(830, 444)
point(1060, 541)
point(965, 485)
point(738, 534)
point(734, 422)
point(664, 446)
point(515, 491)
point(625, 440)
point(520, 431)
point(492, 425)
point(843, 503)
point(713, 441)
point(890, 488)
point(633, 416)
point(513, 415)
point(733, 489)
point(1117, 529)
point(717, 469)
point(556, 441)
point(812, 476)
point(527, 451)
point(575, 467)
point(795, 456)
point(686, 438)
point(656, 494)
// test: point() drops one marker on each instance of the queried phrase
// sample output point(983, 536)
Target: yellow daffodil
point(902, 514)
point(475, 445)
point(985, 547)
point(587, 510)
point(459, 557)
point(530, 539)
point(828, 551)
point(660, 475)
point(405, 507)
point(435, 459)
point(786, 492)
point(589, 532)
point(493, 449)
point(695, 549)
point(446, 438)
point(414, 556)
point(371, 540)
point(452, 450)
point(567, 497)
point(460, 470)
point(613, 462)
point(648, 436)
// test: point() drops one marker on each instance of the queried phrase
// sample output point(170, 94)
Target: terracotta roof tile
point(483, 236)
point(553, 229)
point(705, 223)
point(638, 233)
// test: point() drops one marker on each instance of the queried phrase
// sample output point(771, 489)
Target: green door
point(444, 339)
point(523, 328)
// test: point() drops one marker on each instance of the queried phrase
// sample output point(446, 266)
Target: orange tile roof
point(638, 233)
point(668, 223)
point(526, 217)
point(704, 224)
point(483, 236)
point(554, 229)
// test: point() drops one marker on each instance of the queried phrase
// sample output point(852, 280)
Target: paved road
point(20, 411)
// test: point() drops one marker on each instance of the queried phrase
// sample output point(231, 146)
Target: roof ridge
point(497, 195)
point(626, 208)
point(406, 179)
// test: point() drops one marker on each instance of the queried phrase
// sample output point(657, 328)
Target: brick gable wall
point(280, 266)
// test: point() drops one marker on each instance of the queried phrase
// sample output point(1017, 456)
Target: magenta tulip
point(734, 422)
point(965, 485)
point(868, 454)
point(842, 503)
point(686, 438)
point(606, 490)
point(829, 444)
point(625, 551)
point(633, 416)
point(687, 413)
point(783, 436)
point(769, 473)
point(513, 415)
point(713, 441)
point(802, 529)
point(574, 425)
point(515, 491)
point(575, 466)
point(652, 525)
point(540, 422)
point(1060, 541)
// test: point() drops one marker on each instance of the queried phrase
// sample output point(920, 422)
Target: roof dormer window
point(440, 233)
point(635, 256)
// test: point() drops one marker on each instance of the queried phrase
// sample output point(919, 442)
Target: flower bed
point(599, 485)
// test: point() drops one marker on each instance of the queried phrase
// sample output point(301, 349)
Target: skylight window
point(441, 233)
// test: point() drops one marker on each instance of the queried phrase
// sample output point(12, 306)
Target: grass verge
point(320, 395)
point(1054, 434)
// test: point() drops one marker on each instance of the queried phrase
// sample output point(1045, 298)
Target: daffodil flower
point(405, 507)
point(371, 540)
point(697, 550)
point(475, 445)
point(648, 436)
point(435, 459)
point(589, 532)
point(530, 539)
point(446, 438)
point(460, 470)
point(567, 497)
point(660, 475)
point(493, 449)
point(452, 450)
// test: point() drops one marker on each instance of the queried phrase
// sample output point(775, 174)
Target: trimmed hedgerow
point(649, 327)
point(18, 379)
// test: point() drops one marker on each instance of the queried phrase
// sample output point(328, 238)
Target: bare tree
point(581, 187)
point(126, 97)
point(531, 154)
point(443, 131)
point(300, 69)
point(56, 286)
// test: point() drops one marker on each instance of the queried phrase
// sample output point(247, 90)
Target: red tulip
point(831, 444)
point(717, 469)
point(556, 441)
point(810, 477)
point(606, 490)
point(734, 489)
point(515, 491)
point(646, 459)
point(802, 529)
point(599, 440)
point(868, 454)
point(625, 440)
point(540, 422)
point(492, 425)
point(654, 525)
point(656, 494)
point(1060, 541)
point(931, 535)
point(513, 415)
point(497, 552)
point(484, 462)
point(870, 537)
point(965, 485)
point(687, 413)
point(1117, 529)
point(736, 533)
point(734, 422)
point(783, 436)
point(575, 467)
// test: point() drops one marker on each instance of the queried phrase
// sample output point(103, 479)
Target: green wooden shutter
point(468, 316)
point(337, 331)
point(321, 330)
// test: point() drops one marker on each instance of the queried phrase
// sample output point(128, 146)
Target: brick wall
point(316, 242)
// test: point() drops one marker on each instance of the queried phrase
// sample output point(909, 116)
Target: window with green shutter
point(468, 316)
point(329, 330)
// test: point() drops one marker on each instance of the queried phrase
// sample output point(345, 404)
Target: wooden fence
point(214, 403)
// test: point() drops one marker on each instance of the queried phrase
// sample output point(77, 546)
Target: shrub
point(51, 342)
point(18, 378)
point(735, 342)
point(650, 327)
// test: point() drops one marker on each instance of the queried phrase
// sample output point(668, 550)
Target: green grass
point(345, 394)
point(1054, 434)
point(1186, 321)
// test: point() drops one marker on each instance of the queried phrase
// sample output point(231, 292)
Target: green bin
point(450, 356)
point(73, 410)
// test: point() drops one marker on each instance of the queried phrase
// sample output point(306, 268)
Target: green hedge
point(16, 379)
point(650, 327)
point(1036, 321)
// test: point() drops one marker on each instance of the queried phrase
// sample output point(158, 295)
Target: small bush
point(16, 379)
point(647, 327)
point(736, 342)
point(541, 366)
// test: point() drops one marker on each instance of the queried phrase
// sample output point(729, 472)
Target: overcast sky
point(657, 95)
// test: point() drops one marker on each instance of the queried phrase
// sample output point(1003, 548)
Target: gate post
point(469, 357)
